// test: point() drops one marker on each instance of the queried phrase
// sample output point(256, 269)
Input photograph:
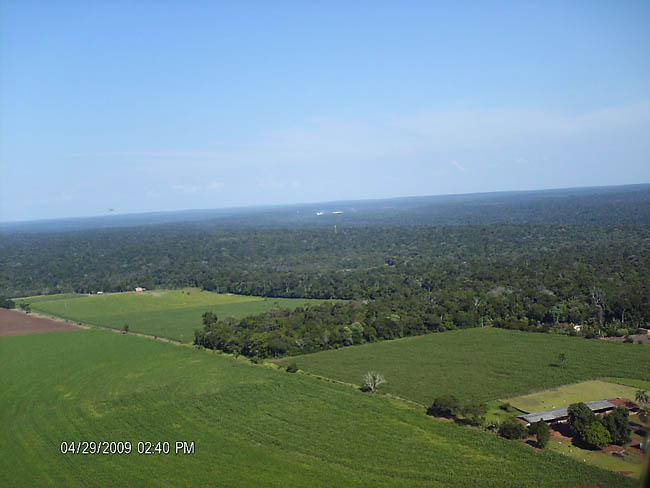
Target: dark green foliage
point(444, 406)
point(7, 303)
point(541, 273)
point(209, 319)
point(580, 418)
point(474, 413)
point(642, 397)
point(292, 367)
point(511, 428)
point(541, 431)
point(530, 277)
point(617, 424)
point(125, 327)
point(586, 426)
point(596, 435)
point(25, 307)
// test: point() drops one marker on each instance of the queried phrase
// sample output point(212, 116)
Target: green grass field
point(595, 458)
point(174, 314)
point(480, 364)
point(637, 384)
point(251, 425)
point(585, 391)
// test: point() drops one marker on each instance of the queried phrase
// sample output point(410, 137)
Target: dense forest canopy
point(549, 260)
point(613, 205)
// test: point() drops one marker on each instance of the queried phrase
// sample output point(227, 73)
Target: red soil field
point(14, 323)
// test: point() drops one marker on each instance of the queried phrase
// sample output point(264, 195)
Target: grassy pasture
point(252, 426)
point(480, 364)
point(637, 384)
point(595, 458)
point(174, 314)
point(562, 396)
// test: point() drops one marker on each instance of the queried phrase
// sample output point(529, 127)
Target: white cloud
point(190, 189)
point(185, 188)
point(458, 166)
point(214, 185)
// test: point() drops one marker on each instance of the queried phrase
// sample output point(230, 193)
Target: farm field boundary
point(15, 323)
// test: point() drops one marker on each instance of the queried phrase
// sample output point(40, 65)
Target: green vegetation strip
point(480, 364)
point(252, 426)
point(174, 314)
point(638, 384)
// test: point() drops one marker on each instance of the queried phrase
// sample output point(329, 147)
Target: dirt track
point(15, 323)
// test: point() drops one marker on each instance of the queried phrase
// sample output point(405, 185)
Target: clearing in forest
point(174, 314)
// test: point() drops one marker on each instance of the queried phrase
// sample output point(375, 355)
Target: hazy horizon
point(311, 203)
point(169, 107)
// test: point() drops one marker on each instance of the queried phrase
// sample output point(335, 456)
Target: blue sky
point(169, 105)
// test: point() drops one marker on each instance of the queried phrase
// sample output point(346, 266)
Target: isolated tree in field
point(25, 307)
point(562, 358)
point(125, 328)
point(618, 425)
point(372, 381)
point(511, 428)
point(444, 406)
point(580, 418)
point(541, 431)
point(642, 397)
point(596, 435)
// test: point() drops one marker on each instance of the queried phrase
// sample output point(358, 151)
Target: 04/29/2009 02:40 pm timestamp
point(88, 448)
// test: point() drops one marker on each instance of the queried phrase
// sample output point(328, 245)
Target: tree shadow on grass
point(533, 443)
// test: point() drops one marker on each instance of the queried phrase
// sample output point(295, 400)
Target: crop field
point(480, 364)
point(174, 314)
point(251, 425)
point(562, 396)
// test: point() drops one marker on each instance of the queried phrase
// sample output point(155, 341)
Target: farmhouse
point(561, 414)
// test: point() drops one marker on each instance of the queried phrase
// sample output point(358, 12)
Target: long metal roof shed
point(562, 413)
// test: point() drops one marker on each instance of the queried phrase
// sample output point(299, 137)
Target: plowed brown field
point(13, 323)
